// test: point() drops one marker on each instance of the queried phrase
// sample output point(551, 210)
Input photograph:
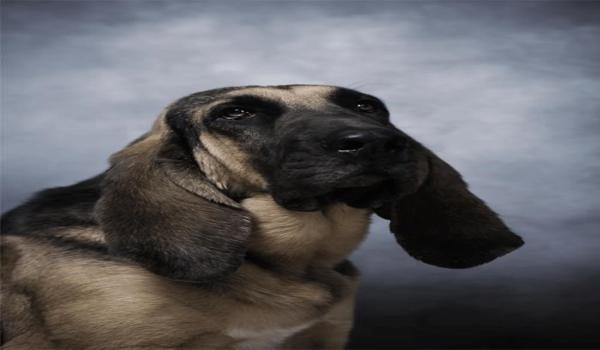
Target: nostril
point(350, 144)
point(365, 142)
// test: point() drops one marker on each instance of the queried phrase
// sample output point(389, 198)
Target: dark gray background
point(507, 92)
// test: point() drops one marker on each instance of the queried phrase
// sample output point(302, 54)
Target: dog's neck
point(297, 240)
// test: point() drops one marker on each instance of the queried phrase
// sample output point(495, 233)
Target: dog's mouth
point(372, 195)
point(368, 185)
point(369, 196)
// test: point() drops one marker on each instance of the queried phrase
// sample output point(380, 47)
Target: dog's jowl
point(228, 225)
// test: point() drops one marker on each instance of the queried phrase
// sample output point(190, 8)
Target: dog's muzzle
point(359, 165)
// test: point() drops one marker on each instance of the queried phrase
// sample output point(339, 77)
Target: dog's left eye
point(235, 113)
point(366, 107)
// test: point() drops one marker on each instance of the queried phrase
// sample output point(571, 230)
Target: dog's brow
point(297, 96)
point(255, 102)
point(346, 97)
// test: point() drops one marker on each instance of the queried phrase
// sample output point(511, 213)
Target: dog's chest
point(315, 241)
point(266, 339)
point(322, 238)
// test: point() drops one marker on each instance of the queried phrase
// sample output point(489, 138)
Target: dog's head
point(306, 145)
point(170, 199)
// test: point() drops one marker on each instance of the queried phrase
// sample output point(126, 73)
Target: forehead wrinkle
point(300, 96)
point(199, 112)
point(315, 96)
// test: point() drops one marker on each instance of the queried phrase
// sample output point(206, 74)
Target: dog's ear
point(443, 223)
point(158, 209)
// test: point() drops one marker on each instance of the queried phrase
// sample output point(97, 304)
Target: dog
point(228, 225)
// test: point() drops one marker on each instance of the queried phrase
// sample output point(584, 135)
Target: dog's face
point(309, 145)
point(171, 199)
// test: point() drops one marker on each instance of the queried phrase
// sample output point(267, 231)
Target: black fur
point(55, 207)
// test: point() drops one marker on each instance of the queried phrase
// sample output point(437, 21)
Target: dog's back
point(55, 207)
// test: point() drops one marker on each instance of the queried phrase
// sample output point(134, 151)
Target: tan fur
point(307, 96)
point(80, 234)
point(299, 239)
point(133, 307)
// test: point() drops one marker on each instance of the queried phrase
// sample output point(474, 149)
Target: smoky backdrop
point(507, 92)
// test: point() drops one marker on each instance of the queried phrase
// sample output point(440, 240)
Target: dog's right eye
point(235, 113)
point(366, 107)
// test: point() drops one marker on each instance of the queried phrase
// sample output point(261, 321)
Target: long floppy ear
point(158, 209)
point(446, 225)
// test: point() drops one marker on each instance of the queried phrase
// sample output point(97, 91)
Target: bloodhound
point(228, 225)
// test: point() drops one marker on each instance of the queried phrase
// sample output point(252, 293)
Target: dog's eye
point(366, 107)
point(235, 113)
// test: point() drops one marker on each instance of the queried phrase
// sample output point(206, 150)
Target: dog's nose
point(366, 142)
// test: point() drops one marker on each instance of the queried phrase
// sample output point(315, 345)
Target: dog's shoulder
point(81, 296)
